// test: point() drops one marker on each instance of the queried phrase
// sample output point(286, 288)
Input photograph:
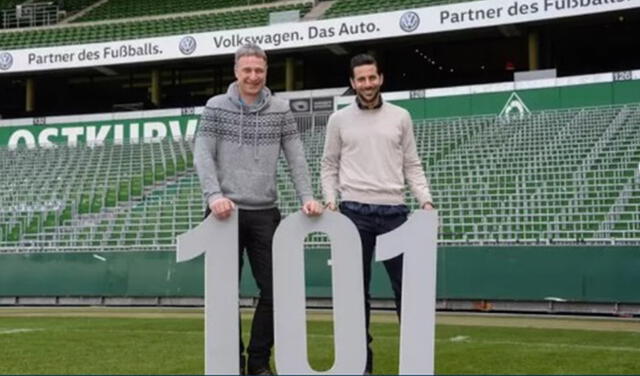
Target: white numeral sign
point(415, 239)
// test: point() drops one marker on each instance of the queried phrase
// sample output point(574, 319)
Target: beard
point(370, 99)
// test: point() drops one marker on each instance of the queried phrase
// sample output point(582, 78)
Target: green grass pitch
point(150, 341)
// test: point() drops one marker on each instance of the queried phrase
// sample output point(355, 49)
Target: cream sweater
point(369, 155)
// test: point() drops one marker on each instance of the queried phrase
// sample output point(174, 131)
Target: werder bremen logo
point(514, 108)
point(6, 60)
point(187, 45)
point(409, 21)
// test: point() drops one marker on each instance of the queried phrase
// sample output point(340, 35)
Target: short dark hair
point(363, 59)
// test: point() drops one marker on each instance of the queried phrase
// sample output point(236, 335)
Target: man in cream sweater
point(369, 154)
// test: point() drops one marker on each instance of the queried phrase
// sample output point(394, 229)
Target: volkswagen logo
point(187, 45)
point(6, 60)
point(409, 21)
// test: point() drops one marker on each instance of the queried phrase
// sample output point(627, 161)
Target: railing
point(30, 15)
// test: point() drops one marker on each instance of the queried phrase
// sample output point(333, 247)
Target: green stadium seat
point(65, 215)
point(14, 234)
point(159, 172)
point(34, 225)
point(84, 204)
point(170, 168)
point(136, 186)
point(97, 202)
point(148, 176)
point(51, 219)
point(181, 164)
point(124, 191)
point(111, 197)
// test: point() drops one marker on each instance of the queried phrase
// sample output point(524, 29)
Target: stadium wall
point(578, 91)
point(610, 93)
point(569, 273)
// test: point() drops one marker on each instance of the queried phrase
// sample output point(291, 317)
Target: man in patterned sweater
point(239, 139)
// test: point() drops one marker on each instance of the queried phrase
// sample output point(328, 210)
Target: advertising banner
point(435, 19)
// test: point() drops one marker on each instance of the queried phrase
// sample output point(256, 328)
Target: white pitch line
point(468, 340)
point(190, 332)
point(548, 344)
point(18, 330)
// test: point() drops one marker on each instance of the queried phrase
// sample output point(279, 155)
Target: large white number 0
point(289, 294)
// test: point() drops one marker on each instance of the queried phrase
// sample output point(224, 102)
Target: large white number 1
point(218, 241)
point(416, 239)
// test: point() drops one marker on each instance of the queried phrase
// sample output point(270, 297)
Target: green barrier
point(585, 274)
point(604, 94)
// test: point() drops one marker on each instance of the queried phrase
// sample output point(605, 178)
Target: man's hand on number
point(312, 208)
point(428, 206)
point(222, 207)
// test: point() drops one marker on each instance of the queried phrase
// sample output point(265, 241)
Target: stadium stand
point(21, 14)
point(344, 8)
point(124, 30)
point(75, 5)
point(114, 9)
point(83, 196)
point(562, 176)
point(5, 4)
point(565, 175)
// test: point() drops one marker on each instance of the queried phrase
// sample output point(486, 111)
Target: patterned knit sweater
point(237, 148)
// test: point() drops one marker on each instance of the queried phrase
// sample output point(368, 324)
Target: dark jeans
point(371, 221)
point(255, 235)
